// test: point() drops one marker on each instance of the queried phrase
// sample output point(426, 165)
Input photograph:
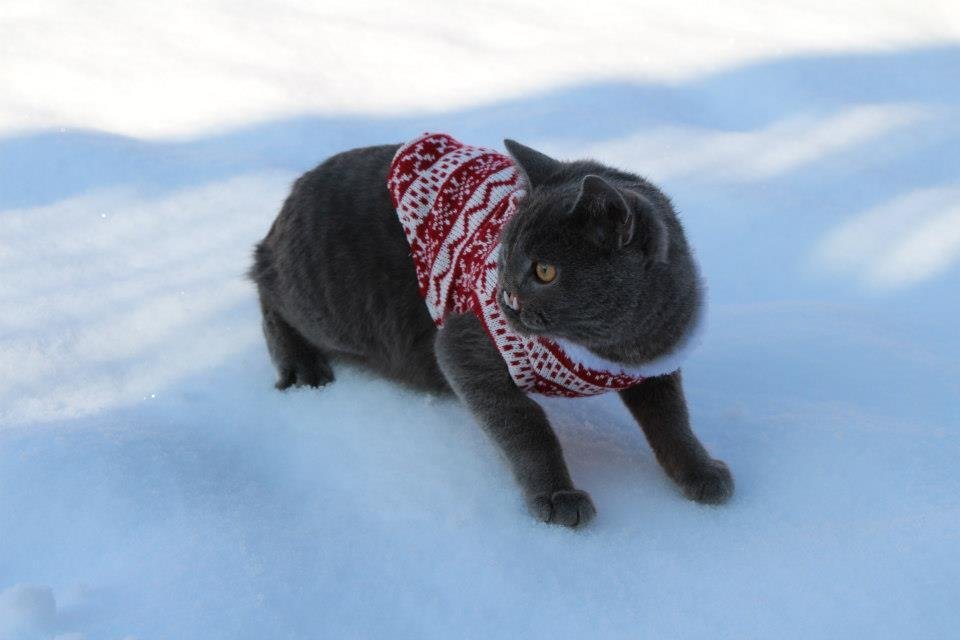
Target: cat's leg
point(298, 362)
point(420, 367)
point(414, 363)
point(660, 408)
point(517, 424)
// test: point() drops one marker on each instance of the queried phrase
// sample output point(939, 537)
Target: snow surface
point(154, 485)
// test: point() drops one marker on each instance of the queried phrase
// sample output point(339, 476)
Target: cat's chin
point(516, 323)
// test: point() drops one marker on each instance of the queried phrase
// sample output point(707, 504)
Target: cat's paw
point(709, 483)
point(571, 508)
point(315, 372)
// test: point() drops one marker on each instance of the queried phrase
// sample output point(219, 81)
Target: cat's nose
point(511, 300)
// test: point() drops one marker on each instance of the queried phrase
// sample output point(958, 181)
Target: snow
point(153, 484)
point(138, 68)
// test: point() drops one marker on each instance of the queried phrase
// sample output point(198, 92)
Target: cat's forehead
point(559, 192)
point(548, 205)
point(546, 234)
point(536, 222)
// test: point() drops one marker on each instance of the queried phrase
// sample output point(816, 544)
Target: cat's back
point(337, 214)
point(337, 250)
point(342, 195)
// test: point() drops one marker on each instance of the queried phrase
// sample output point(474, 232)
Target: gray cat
point(336, 281)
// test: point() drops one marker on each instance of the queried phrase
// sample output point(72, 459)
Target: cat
point(590, 265)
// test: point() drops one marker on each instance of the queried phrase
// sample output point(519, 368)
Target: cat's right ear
point(535, 166)
point(618, 217)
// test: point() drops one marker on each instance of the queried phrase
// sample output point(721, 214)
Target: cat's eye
point(546, 273)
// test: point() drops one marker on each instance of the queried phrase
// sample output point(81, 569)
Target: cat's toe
point(312, 373)
point(571, 508)
point(709, 483)
point(288, 377)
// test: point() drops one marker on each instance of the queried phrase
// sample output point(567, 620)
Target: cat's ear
point(535, 166)
point(610, 221)
point(618, 217)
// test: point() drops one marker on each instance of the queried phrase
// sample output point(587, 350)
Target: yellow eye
point(545, 272)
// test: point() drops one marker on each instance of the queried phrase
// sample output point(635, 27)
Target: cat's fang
point(511, 301)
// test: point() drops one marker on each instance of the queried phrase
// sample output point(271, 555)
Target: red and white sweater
point(453, 200)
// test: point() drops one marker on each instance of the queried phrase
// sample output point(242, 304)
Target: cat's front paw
point(571, 508)
point(708, 483)
point(310, 371)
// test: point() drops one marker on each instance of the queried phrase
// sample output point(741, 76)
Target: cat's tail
point(262, 271)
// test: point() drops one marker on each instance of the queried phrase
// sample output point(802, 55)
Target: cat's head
point(597, 256)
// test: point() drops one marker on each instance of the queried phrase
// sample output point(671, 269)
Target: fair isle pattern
point(452, 201)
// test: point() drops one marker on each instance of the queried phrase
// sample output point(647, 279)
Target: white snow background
point(154, 485)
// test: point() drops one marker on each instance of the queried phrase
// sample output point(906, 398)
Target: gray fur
point(626, 301)
point(336, 268)
point(336, 280)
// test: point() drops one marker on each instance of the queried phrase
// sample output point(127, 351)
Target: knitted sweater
point(453, 200)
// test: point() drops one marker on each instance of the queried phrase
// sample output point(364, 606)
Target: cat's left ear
point(537, 167)
point(619, 217)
